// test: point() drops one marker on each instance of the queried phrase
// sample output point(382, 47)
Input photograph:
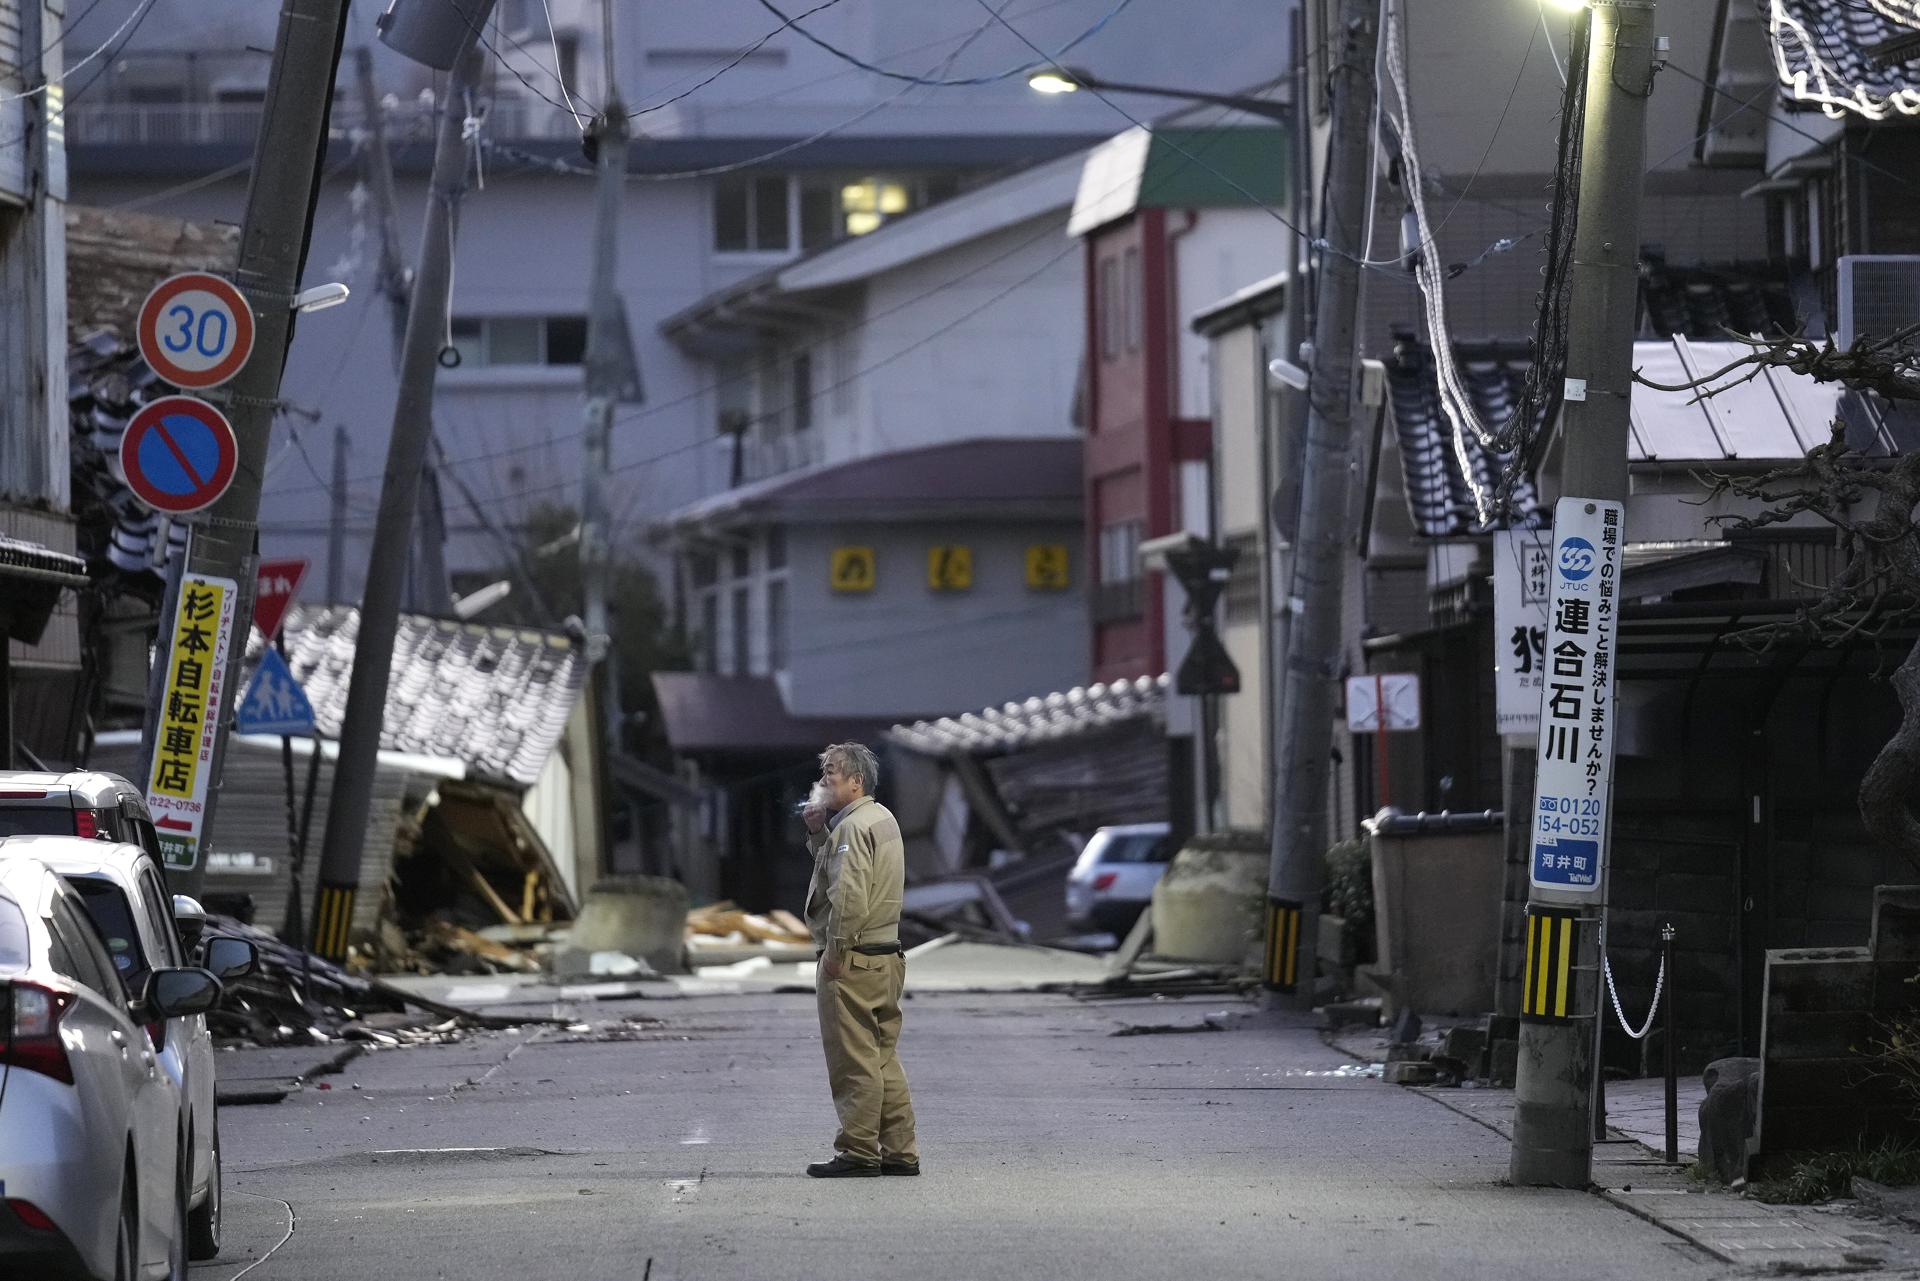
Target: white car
point(1113, 881)
point(121, 890)
point(93, 1179)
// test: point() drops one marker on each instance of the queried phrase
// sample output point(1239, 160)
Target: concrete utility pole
point(337, 520)
point(273, 246)
point(428, 591)
point(426, 335)
point(1553, 1099)
point(1312, 666)
point(610, 379)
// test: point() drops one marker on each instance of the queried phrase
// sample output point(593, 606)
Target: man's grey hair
point(854, 760)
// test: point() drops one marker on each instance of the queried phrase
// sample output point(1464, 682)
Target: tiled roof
point(1709, 301)
point(107, 383)
point(496, 698)
point(1014, 726)
point(1835, 53)
point(1438, 496)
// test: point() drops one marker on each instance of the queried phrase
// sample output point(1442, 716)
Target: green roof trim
point(1189, 168)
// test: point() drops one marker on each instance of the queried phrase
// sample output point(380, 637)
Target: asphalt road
point(672, 1151)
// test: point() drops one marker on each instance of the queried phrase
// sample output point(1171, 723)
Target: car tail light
point(30, 1214)
point(33, 1031)
point(85, 824)
point(1105, 880)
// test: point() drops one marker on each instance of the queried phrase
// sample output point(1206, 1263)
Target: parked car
point(93, 1177)
point(1113, 881)
point(77, 803)
point(120, 889)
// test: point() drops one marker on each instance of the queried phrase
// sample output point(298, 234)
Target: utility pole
point(1318, 571)
point(426, 332)
point(428, 589)
point(611, 377)
point(273, 249)
point(337, 520)
point(1559, 1060)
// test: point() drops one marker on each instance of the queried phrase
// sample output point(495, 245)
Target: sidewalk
point(1630, 1170)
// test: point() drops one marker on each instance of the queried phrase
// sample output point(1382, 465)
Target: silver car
point(92, 1176)
point(1112, 881)
point(145, 930)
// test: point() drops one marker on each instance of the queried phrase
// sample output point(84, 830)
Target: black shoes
point(908, 1168)
point(841, 1168)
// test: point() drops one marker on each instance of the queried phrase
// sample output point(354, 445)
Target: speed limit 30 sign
point(195, 330)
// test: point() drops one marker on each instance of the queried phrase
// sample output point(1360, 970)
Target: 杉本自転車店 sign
point(1573, 785)
point(181, 766)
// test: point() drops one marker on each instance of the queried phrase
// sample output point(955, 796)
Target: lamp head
point(1055, 80)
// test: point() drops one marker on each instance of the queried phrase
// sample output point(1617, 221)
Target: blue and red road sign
point(195, 330)
point(178, 454)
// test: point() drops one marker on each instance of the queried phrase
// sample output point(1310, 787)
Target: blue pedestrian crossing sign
point(274, 703)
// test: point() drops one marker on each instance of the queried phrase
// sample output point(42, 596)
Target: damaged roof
point(495, 698)
point(1013, 726)
point(1848, 55)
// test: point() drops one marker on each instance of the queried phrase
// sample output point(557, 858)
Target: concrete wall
point(906, 650)
point(1224, 251)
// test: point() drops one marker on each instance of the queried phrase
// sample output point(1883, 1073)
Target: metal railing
point(214, 123)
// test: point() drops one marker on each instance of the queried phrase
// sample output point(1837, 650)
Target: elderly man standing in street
point(853, 909)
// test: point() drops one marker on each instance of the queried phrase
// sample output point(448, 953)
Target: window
point(1132, 302)
point(750, 215)
point(775, 214)
point(160, 918)
point(36, 820)
point(802, 391)
point(520, 340)
point(742, 630)
point(777, 625)
point(16, 944)
point(741, 559)
point(710, 631)
point(1105, 306)
point(703, 569)
point(776, 549)
point(1119, 593)
point(113, 917)
point(78, 955)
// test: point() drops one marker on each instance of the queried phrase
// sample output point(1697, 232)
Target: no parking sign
point(179, 454)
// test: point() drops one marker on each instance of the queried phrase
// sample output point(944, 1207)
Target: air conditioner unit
point(1879, 294)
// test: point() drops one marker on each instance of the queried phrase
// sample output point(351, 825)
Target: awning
point(709, 714)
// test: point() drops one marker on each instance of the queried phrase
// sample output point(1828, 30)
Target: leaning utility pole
point(428, 589)
point(610, 378)
point(1553, 1097)
point(426, 335)
point(1299, 805)
point(273, 248)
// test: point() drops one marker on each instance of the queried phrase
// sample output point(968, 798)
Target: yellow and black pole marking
point(332, 920)
point(1553, 946)
point(1283, 944)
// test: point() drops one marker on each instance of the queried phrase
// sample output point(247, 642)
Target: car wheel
point(177, 1247)
point(203, 1222)
point(126, 1245)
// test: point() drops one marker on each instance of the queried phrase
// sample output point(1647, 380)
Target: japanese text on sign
point(188, 715)
point(1522, 576)
point(1575, 769)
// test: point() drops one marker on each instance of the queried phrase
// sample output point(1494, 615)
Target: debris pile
point(729, 925)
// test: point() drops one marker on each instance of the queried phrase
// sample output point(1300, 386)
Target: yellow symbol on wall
point(1047, 567)
point(853, 569)
point(950, 568)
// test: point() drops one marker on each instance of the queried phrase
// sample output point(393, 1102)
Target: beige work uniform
point(859, 869)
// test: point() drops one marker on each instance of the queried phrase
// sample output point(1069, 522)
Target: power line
point(1048, 59)
point(559, 65)
point(738, 58)
point(132, 20)
point(90, 81)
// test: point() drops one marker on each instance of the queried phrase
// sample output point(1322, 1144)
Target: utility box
point(1436, 892)
point(431, 32)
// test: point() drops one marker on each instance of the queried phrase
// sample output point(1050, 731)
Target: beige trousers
point(860, 1029)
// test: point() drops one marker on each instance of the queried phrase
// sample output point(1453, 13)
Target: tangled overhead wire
point(1514, 444)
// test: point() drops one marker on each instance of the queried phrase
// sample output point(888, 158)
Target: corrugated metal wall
point(13, 113)
point(252, 820)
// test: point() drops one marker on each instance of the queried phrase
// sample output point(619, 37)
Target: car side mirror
point(178, 994)
point(189, 919)
point(230, 958)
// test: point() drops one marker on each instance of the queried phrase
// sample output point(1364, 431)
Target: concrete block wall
point(1827, 1009)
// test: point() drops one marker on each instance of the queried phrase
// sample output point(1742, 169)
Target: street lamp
point(1062, 79)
